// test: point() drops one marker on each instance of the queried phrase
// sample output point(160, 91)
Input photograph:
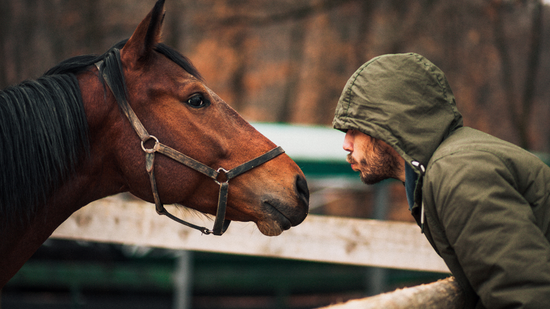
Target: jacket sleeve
point(491, 229)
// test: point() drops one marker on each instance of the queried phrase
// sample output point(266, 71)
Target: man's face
point(374, 159)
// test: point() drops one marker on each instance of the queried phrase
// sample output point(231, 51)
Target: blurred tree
point(3, 41)
point(288, 60)
point(519, 107)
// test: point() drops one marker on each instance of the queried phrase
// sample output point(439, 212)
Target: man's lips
point(352, 162)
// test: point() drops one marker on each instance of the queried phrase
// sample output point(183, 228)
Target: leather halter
point(220, 223)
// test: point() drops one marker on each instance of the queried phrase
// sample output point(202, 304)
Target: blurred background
point(284, 62)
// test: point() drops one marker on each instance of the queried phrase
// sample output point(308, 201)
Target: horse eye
point(196, 101)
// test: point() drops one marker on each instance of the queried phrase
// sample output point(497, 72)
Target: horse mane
point(43, 130)
point(44, 133)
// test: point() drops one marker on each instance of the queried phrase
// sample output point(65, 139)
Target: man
point(483, 203)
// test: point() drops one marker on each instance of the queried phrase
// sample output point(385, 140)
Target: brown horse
point(81, 132)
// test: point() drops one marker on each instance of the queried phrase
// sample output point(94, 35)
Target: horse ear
point(146, 36)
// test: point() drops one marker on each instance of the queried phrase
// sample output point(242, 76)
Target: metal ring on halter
point(221, 169)
point(150, 150)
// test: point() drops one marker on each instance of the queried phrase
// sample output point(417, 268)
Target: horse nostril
point(302, 189)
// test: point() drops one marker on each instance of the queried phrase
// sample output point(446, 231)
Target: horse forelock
point(43, 132)
point(113, 70)
point(179, 59)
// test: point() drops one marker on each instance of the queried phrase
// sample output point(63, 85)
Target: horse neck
point(97, 175)
point(94, 177)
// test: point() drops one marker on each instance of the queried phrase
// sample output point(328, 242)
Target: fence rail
point(441, 294)
point(319, 238)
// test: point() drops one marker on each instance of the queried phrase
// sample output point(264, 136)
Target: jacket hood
point(403, 100)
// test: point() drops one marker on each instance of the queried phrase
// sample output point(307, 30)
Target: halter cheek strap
point(220, 223)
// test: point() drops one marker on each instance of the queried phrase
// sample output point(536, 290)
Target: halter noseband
point(220, 223)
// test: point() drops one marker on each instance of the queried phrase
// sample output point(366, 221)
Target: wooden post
point(441, 294)
point(183, 280)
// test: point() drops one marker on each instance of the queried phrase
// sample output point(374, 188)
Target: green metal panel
point(326, 169)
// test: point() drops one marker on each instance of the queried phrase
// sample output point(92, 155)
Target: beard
point(377, 164)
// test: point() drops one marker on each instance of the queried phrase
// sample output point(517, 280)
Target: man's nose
point(348, 142)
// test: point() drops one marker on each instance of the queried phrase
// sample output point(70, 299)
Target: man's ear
point(139, 48)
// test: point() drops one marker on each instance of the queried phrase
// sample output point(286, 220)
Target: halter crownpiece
point(220, 223)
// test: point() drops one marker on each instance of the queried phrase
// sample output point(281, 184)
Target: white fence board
point(319, 238)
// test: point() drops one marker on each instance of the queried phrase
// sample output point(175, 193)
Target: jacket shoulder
point(479, 191)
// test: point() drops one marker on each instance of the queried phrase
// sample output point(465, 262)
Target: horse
point(136, 119)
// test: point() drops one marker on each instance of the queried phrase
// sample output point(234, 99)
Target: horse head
point(175, 106)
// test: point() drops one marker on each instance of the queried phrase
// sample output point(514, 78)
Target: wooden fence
point(319, 238)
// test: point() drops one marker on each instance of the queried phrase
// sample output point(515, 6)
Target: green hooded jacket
point(483, 203)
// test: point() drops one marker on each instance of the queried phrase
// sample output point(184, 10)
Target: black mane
point(44, 133)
